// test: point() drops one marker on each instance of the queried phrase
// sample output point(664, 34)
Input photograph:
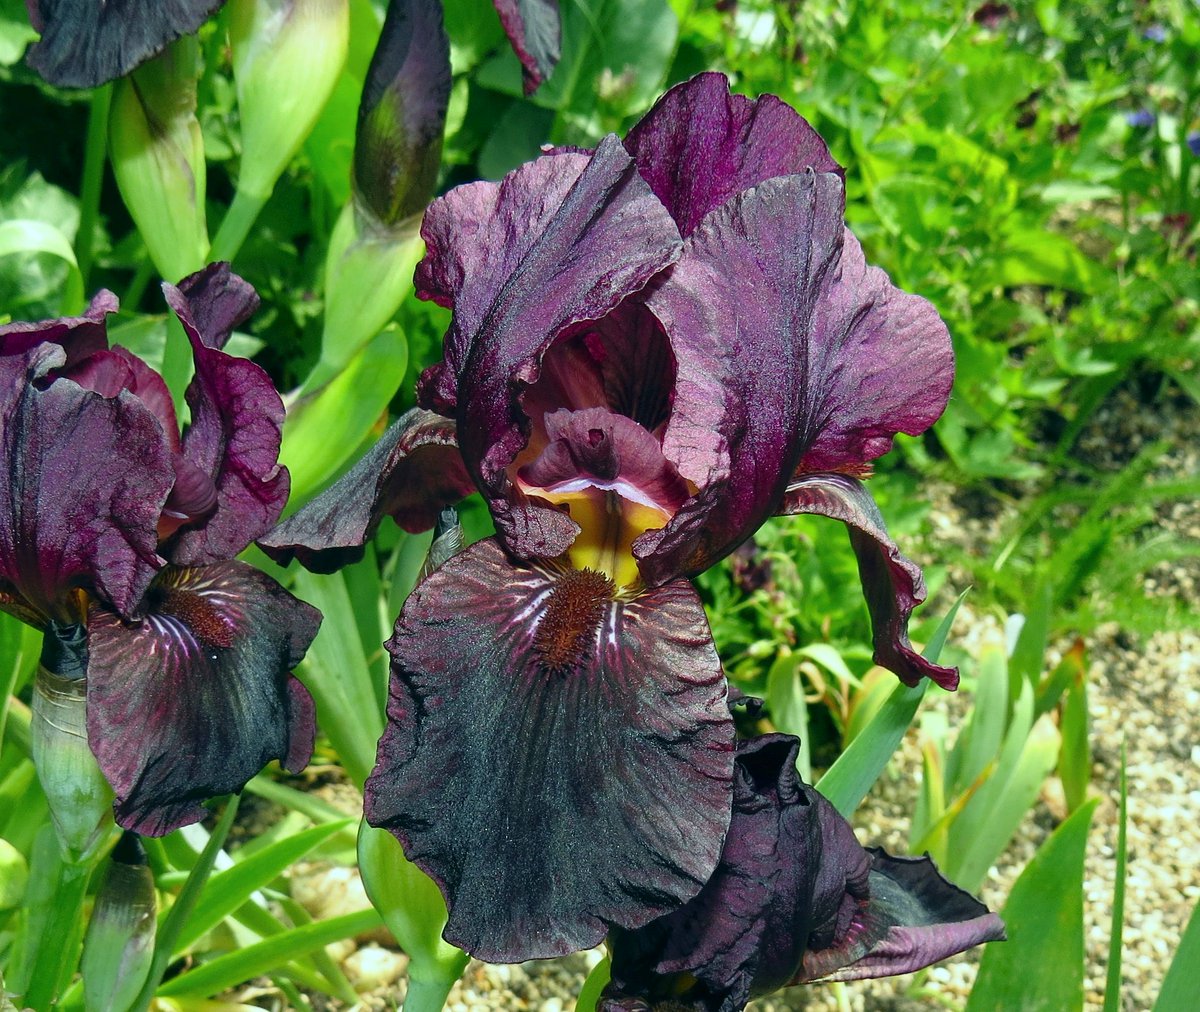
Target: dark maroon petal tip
point(893, 584)
point(534, 29)
point(197, 697)
point(555, 759)
point(237, 421)
point(87, 479)
point(410, 474)
point(700, 146)
point(80, 336)
point(85, 43)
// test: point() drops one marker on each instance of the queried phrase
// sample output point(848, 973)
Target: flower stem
point(236, 225)
point(59, 935)
point(428, 994)
point(93, 176)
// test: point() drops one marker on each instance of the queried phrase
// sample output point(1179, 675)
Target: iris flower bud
point(79, 797)
point(157, 153)
point(287, 55)
point(119, 946)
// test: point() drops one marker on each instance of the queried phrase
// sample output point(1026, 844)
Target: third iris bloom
point(655, 346)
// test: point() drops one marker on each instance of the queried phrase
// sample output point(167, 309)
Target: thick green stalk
point(93, 176)
point(428, 995)
point(62, 932)
point(236, 225)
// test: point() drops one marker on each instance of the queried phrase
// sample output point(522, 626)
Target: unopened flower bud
point(119, 946)
point(157, 153)
point(447, 541)
point(287, 55)
point(79, 797)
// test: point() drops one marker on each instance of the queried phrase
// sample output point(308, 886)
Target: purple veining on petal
point(196, 697)
point(555, 759)
point(893, 585)
point(738, 308)
point(80, 336)
point(880, 363)
point(700, 146)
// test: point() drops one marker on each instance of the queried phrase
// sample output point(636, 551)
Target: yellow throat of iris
point(608, 523)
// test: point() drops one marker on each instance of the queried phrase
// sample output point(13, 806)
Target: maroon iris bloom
point(110, 518)
point(656, 346)
point(794, 899)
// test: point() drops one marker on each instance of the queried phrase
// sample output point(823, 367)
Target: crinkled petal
point(237, 421)
point(80, 336)
point(922, 919)
point(87, 479)
point(893, 585)
point(85, 43)
point(410, 474)
point(197, 697)
point(562, 240)
point(555, 760)
point(881, 363)
point(112, 370)
point(744, 934)
point(535, 31)
point(700, 146)
point(738, 308)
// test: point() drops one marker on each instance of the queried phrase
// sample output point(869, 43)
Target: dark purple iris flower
point(794, 899)
point(656, 346)
point(111, 519)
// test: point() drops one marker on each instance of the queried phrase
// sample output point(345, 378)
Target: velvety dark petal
point(922, 919)
point(87, 479)
point(881, 363)
point(410, 474)
point(534, 29)
point(738, 307)
point(699, 146)
point(197, 697)
point(237, 422)
point(744, 934)
point(398, 143)
point(112, 370)
point(80, 336)
point(85, 43)
point(554, 759)
point(559, 241)
point(893, 585)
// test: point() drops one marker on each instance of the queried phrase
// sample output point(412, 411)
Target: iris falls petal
point(194, 699)
point(555, 759)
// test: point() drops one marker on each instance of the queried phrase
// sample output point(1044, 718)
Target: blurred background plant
point(1033, 168)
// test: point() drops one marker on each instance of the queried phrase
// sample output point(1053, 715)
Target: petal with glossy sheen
point(112, 370)
point(87, 479)
point(738, 308)
point(700, 146)
point(562, 240)
point(893, 585)
point(410, 474)
point(197, 697)
point(881, 363)
point(237, 421)
point(534, 29)
point(554, 759)
point(80, 336)
point(85, 43)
